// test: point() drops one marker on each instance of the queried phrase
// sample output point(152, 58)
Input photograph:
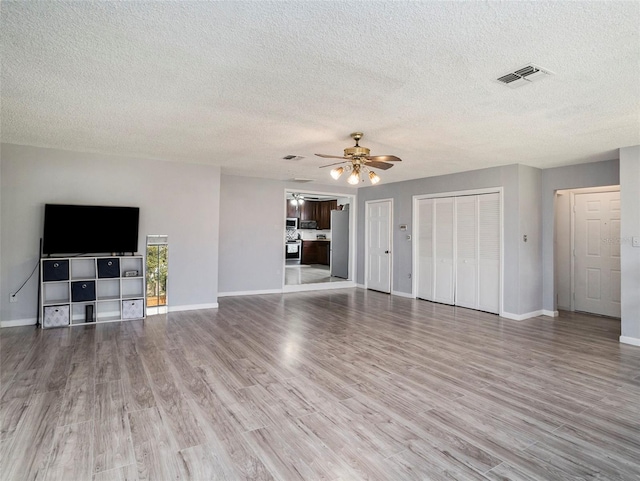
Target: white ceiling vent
point(300, 180)
point(523, 76)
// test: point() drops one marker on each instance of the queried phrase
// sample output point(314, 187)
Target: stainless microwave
point(292, 222)
point(308, 224)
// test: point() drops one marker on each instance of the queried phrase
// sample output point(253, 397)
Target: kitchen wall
point(311, 234)
point(177, 199)
point(252, 231)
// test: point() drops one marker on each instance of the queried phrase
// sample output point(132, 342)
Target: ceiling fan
point(358, 160)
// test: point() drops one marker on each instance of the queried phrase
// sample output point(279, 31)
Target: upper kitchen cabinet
point(293, 210)
point(308, 210)
point(323, 213)
point(320, 211)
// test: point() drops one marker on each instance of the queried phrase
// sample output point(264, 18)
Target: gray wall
point(529, 252)
point(252, 231)
point(571, 177)
point(521, 187)
point(630, 227)
point(562, 240)
point(177, 199)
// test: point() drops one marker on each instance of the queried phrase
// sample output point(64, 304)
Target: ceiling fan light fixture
point(359, 160)
point(337, 172)
point(354, 178)
point(297, 199)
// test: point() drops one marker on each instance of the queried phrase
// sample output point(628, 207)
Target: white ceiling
point(242, 84)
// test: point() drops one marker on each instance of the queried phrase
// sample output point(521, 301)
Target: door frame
point(353, 219)
point(572, 203)
point(415, 229)
point(366, 241)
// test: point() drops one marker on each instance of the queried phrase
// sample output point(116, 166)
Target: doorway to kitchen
point(319, 240)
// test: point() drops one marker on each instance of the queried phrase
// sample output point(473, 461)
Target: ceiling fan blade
point(329, 165)
point(383, 158)
point(324, 156)
point(376, 164)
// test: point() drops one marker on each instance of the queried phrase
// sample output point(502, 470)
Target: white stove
point(293, 251)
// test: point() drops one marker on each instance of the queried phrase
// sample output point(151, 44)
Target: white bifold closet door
point(459, 251)
point(425, 249)
point(467, 251)
point(489, 253)
point(443, 223)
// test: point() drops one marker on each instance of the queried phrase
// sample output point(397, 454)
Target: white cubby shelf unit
point(86, 290)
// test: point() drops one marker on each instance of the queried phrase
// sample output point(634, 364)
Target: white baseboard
point(193, 307)
point(319, 287)
point(18, 322)
point(249, 293)
point(550, 313)
point(361, 286)
point(522, 317)
point(402, 294)
point(634, 341)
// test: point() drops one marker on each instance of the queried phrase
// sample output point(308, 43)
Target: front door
point(597, 253)
point(378, 245)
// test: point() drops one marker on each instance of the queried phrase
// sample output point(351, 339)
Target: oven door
point(293, 251)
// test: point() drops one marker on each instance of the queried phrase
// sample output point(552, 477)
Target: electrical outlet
point(13, 298)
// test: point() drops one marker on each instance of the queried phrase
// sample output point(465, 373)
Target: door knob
point(386, 252)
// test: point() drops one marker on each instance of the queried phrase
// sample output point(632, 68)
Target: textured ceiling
point(242, 84)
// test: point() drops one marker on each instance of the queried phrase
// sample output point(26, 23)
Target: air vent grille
point(511, 77)
point(523, 76)
point(300, 180)
point(526, 71)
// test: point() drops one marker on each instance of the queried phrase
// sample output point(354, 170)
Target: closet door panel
point(425, 249)
point(444, 235)
point(489, 252)
point(466, 290)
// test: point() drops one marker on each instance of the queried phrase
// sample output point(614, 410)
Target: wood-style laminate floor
point(295, 275)
point(342, 384)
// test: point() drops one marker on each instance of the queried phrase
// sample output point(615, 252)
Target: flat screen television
point(89, 229)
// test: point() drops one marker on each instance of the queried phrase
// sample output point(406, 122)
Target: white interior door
point(444, 234)
point(424, 282)
point(466, 280)
point(378, 254)
point(597, 253)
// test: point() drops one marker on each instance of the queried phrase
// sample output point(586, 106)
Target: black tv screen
point(89, 229)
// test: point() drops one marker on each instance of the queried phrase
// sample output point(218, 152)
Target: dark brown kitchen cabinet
point(292, 210)
point(320, 211)
point(315, 252)
point(323, 213)
point(308, 210)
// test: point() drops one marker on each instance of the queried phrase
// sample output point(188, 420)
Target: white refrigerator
point(340, 243)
